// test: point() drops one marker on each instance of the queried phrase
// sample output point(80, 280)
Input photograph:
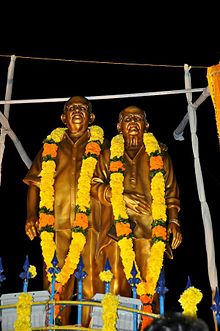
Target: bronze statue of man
point(77, 116)
point(137, 195)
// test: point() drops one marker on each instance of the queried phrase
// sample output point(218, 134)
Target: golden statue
point(137, 187)
point(58, 180)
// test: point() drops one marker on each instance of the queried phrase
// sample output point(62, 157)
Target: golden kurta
point(68, 166)
point(136, 181)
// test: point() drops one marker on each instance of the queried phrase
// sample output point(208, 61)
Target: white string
point(102, 97)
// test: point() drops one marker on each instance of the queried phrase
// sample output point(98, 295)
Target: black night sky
point(107, 67)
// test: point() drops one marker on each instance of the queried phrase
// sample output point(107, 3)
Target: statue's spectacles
point(133, 117)
point(74, 107)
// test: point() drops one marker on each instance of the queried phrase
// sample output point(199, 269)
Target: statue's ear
point(146, 126)
point(119, 127)
point(63, 118)
point(91, 118)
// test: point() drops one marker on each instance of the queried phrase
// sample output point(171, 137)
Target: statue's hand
point(174, 229)
point(32, 227)
point(137, 202)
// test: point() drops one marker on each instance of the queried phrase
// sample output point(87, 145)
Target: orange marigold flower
point(81, 220)
point(57, 307)
point(123, 229)
point(156, 162)
point(159, 231)
point(58, 288)
point(116, 165)
point(50, 149)
point(58, 291)
point(45, 220)
point(145, 298)
point(93, 148)
point(146, 321)
point(147, 309)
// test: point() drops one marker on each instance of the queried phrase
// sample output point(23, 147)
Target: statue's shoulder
point(163, 147)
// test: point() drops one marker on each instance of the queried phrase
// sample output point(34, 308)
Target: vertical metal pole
point(79, 314)
point(8, 94)
point(51, 312)
point(134, 294)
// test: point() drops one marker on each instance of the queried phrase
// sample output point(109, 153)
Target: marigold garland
point(145, 290)
point(213, 77)
point(24, 307)
point(110, 304)
point(82, 209)
point(23, 310)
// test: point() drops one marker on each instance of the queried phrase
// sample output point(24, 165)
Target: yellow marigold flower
point(150, 142)
point(48, 167)
point(120, 210)
point(57, 134)
point(106, 275)
point(96, 133)
point(117, 146)
point(33, 271)
point(46, 201)
point(158, 182)
point(88, 165)
point(158, 211)
point(189, 300)
point(117, 179)
point(118, 188)
point(141, 288)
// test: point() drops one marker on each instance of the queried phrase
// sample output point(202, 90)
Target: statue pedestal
point(38, 315)
point(125, 318)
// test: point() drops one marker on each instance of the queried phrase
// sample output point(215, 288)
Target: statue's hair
point(80, 99)
point(120, 116)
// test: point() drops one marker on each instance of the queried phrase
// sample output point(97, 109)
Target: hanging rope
point(206, 217)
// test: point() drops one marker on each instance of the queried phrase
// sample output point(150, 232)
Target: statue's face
point(76, 116)
point(133, 123)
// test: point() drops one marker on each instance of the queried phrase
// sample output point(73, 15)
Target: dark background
point(132, 41)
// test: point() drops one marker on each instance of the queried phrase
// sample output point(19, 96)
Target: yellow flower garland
point(23, 310)
point(213, 77)
point(24, 307)
point(147, 289)
point(110, 304)
point(82, 209)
